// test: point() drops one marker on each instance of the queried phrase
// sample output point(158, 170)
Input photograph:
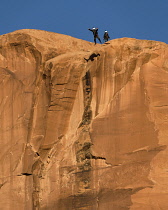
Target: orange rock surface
point(82, 126)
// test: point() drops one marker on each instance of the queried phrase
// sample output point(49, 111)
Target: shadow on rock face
point(105, 200)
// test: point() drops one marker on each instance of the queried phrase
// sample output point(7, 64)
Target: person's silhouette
point(95, 34)
point(106, 36)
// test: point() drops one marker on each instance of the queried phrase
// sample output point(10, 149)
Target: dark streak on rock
point(26, 174)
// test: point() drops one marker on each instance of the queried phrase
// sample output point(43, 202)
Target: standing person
point(95, 34)
point(106, 36)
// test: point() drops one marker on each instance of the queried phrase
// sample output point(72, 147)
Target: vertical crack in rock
point(84, 197)
point(83, 144)
point(43, 91)
point(87, 115)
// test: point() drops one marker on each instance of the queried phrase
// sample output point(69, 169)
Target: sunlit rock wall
point(82, 126)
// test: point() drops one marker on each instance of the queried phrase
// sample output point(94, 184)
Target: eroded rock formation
point(82, 126)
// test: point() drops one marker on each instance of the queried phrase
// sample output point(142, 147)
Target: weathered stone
point(82, 126)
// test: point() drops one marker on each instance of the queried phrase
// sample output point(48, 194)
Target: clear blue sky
point(141, 19)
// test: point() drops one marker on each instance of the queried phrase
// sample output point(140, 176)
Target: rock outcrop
point(82, 126)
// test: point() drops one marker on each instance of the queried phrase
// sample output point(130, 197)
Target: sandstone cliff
point(82, 134)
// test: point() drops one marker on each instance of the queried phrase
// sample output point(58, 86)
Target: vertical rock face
point(82, 126)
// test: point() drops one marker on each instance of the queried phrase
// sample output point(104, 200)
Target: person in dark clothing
point(106, 36)
point(92, 56)
point(95, 34)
